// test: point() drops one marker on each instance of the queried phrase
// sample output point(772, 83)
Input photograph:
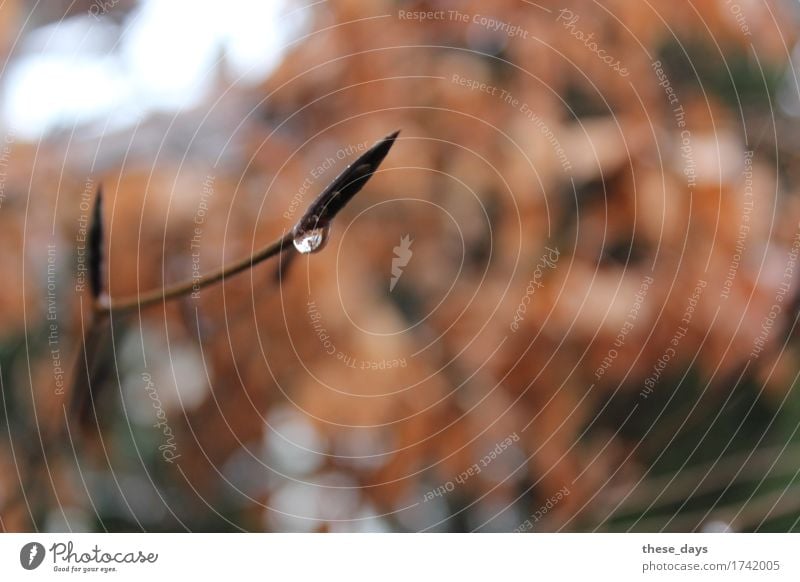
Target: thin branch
point(319, 215)
point(118, 306)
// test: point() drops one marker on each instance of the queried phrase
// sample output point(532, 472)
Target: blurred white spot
point(76, 71)
point(362, 448)
point(502, 467)
point(77, 521)
point(717, 526)
point(141, 498)
point(302, 507)
point(366, 521)
point(491, 516)
point(424, 514)
point(247, 474)
point(177, 376)
point(293, 505)
point(292, 444)
point(711, 158)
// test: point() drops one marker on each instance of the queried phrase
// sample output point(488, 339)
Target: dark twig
point(344, 187)
point(96, 247)
point(319, 215)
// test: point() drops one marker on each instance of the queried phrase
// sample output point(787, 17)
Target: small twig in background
point(96, 246)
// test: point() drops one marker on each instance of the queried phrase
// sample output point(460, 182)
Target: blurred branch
point(704, 478)
point(740, 515)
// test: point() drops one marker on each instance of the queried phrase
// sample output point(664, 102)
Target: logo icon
point(402, 254)
point(31, 555)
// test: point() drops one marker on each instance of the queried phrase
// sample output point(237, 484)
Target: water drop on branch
point(311, 241)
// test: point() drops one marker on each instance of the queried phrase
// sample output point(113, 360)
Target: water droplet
point(311, 241)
